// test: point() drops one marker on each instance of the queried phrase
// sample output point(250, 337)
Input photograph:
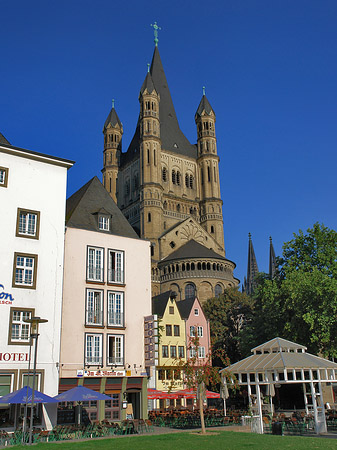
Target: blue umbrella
point(81, 394)
point(24, 395)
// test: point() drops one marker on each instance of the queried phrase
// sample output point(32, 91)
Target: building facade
point(169, 189)
point(106, 294)
point(32, 198)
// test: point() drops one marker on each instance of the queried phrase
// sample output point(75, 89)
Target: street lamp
point(34, 334)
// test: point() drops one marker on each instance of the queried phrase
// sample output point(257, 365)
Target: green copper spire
point(113, 102)
point(203, 90)
point(155, 30)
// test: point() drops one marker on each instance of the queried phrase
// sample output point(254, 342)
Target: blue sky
point(270, 71)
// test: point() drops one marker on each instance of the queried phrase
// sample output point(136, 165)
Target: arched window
point(212, 229)
point(191, 181)
point(149, 217)
point(178, 178)
point(165, 204)
point(178, 207)
point(217, 290)
point(187, 181)
point(189, 291)
point(202, 176)
point(164, 174)
point(173, 176)
point(208, 173)
point(192, 266)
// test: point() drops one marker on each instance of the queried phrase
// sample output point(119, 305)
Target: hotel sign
point(100, 373)
point(14, 357)
point(151, 340)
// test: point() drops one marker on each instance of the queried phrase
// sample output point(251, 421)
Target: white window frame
point(201, 352)
point(192, 331)
point(93, 354)
point(94, 307)
point(116, 266)
point(192, 352)
point(117, 358)
point(200, 331)
point(24, 272)
point(115, 309)
point(103, 222)
point(95, 264)
point(3, 177)
point(196, 311)
point(28, 223)
point(17, 322)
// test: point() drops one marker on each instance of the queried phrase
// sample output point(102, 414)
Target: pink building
point(106, 294)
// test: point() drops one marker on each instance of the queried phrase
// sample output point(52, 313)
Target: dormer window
point(103, 222)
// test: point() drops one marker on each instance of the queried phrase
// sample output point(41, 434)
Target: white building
point(106, 294)
point(32, 199)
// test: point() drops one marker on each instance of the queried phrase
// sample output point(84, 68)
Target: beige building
point(169, 190)
point(106, 294)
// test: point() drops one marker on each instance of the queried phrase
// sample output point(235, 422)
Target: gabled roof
point(159, 303)
point(172, 138)
point(192, 249)
point(84, 205)
point(112, 119)
point(3, 140)
point(204, 105)
point(185, 307)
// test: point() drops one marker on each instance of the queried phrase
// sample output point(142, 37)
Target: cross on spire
point(113, 102)
point(155, 31)
point(203, 90)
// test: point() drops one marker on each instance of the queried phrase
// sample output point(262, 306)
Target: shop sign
point(151, 340)
point(5, 297)
point(100, 373)
point(16, 357)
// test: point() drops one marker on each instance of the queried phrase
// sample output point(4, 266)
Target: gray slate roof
point(193, 249)
point(148, 84)
point(3, 140)
point(159, 303)
point(113, 119)
point(91, 199)
point(172, 137)
point(204, 105)
point(185, 307)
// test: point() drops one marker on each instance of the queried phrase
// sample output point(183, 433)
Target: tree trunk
point(201, 407)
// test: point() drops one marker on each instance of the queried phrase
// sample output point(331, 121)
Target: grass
point(228, 440)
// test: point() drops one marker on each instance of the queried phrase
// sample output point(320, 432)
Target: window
point(192, 331)
point(93, 349)
point(116, 266)
point(201, 352)
point(168, 330)
point(196, 311)
point(173, 351)
point(115, 351)
point(24, 271)
point(218, 290)
point(171, 309)
point(165, 351)
point(115, 309)
point(181, 351)
point(189, 291)
point(94, 307)
point(176, 330)
point(19, 331)
point(161, 374)
point(6, 383)
point(103, 222)
point(95, 263)
point(178, 178)
point(3, 176)
point(112, 407)
point(27, 223)
point(200, 331)
point(192, 352)
point(173, 176)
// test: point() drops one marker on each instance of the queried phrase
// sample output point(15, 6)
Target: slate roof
point(204, 105)
point(172, 137)
point(193, 249)
point(91, 199)
point(113, 119)
point(3, 140)
point(148, 84)
point(185, 307)
point(159, 303)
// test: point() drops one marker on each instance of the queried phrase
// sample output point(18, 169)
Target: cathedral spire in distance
point(252, 269)
point(272, 260)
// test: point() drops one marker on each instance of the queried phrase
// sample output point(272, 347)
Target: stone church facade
point(169, 190)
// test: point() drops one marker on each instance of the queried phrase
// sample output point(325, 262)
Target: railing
point(115, 319)
point(94, 318)
point(93, 361)
point(115, 361)
point(115, 276)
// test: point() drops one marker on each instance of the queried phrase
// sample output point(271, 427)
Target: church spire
point(272, 260)
point(252, 269)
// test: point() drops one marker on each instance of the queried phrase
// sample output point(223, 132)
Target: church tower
point(169, 190)
point(208, 165)
point(112, 131)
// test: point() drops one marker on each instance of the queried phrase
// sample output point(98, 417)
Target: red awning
point(154, 394)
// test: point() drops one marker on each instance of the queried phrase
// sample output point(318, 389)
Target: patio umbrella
point(24, 395)
point(81, 394)
point(154, 394)
point(190, 393)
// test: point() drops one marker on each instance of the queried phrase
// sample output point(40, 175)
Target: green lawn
point(228, 440)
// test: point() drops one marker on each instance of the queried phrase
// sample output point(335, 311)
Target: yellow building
point(172, 342)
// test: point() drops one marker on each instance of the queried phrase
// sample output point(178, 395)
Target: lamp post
point(34, 334)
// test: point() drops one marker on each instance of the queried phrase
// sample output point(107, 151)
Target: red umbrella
point(154, 394)
point(190, 393)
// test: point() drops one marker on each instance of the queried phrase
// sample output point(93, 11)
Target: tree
point(300, 304)
point(228, 315)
